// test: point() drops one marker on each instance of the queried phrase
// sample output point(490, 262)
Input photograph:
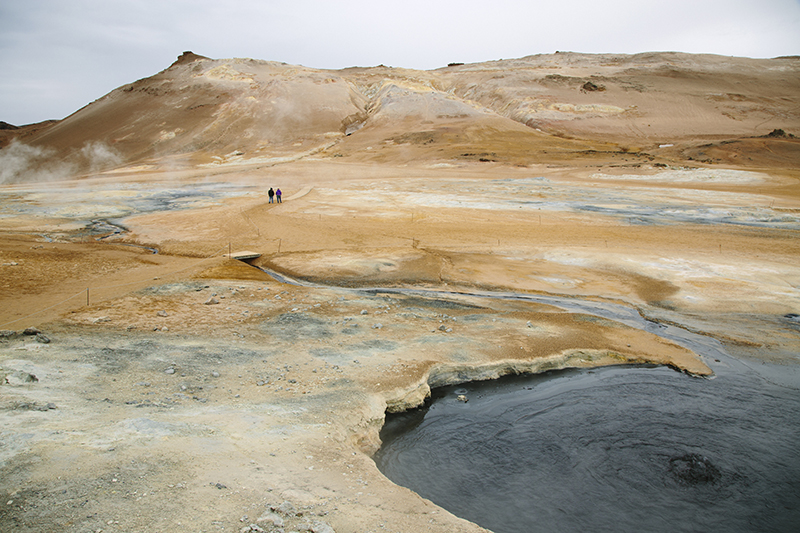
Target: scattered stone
point(529, 324)
point(780, 134)
point(442, 328)
point(42, 339)
point(591, 87)
point(31, 331)
point(20, 378)
point(220, 486)
point(101, 319)
point(211, 301)
point(214, 374)
point(170, 370)
point(7, 333)
point(162, 313)
point(270, 518)
point(462, 398)
point(377, 326)
point(364, 312)
point(286, 508)
point(321, 527)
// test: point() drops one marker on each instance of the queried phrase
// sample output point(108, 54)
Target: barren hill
point(535, 109)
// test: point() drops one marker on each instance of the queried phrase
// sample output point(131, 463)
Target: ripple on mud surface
point(616, 449)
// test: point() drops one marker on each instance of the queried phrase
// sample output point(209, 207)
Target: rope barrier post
point(77, 294)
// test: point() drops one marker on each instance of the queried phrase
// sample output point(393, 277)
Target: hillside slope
point(543, 108)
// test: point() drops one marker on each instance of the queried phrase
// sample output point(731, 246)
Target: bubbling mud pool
point(610, 449)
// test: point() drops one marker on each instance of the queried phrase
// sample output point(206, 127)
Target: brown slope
point(521, 111)
point(9, 132)
point(659, 97)
point(408, 122)
point(199, 108)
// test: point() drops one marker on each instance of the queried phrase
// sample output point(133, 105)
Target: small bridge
point(243, 256)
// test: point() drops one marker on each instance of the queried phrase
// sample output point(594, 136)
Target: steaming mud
point(114, 201)
point(607, 450)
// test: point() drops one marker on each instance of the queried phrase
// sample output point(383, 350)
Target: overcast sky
point(58, 55)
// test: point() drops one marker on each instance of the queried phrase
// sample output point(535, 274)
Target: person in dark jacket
point(271, 194)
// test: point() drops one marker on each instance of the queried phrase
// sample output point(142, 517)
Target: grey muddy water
point(611, 449)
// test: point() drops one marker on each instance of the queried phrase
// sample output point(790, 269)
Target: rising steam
point(21, 163)
point(99, 156)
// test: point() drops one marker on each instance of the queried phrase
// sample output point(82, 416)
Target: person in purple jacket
point(278, 195)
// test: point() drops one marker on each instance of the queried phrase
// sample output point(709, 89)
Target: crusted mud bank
point(445, 374)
